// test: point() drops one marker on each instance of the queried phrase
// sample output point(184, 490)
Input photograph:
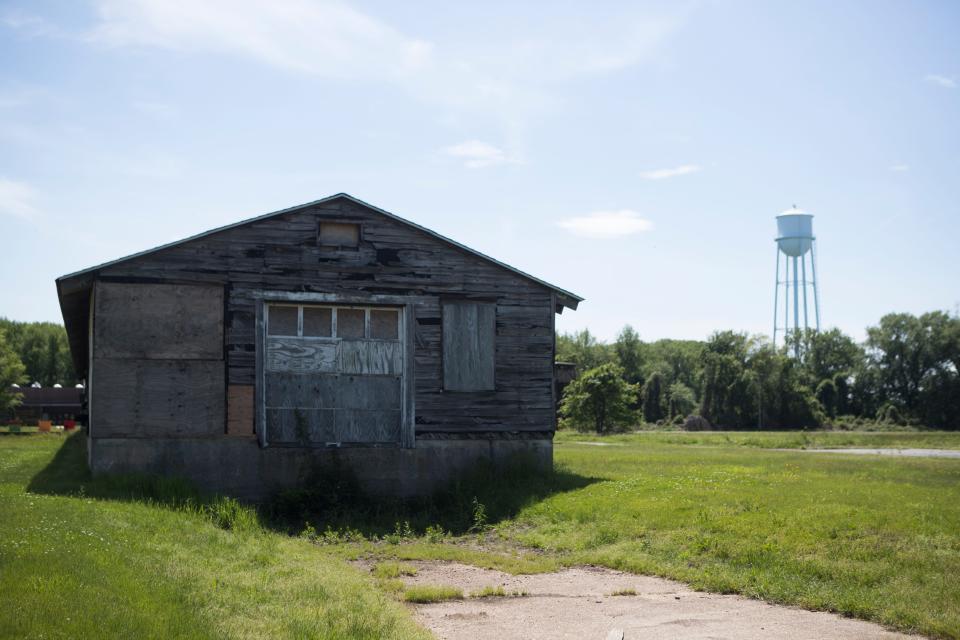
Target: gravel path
point(578, 604)
point(909, 453)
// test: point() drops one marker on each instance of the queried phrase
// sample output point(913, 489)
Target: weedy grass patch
point(387, 570)
point(425, 594)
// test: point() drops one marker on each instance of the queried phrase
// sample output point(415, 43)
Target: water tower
point(796, 245)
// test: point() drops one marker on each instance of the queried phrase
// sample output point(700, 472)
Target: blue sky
point(635, 154)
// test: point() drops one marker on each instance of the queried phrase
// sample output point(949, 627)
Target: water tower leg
point(816, 291)
point(796, 310)
point(803, 273)
point(776, 291)
point(786, 299)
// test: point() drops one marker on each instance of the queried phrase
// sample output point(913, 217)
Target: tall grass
point(146, 558)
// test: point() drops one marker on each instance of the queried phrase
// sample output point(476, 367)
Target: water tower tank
point(795, 232)
point(796, 249)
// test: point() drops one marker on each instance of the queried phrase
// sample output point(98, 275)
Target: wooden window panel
point(339, 234)
point(351, 323)
point(384, 324)
point(283, 321)
point(317, 322)
point(469, 331)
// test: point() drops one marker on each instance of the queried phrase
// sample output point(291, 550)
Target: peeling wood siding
point(393, 259)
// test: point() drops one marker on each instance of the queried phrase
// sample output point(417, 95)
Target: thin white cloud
point(607, 224)
point(943, 81)
point(17, 199)
point(508, 78)
point(663, 174)
point(325, 38)
point(900, 168)
point(476, 154)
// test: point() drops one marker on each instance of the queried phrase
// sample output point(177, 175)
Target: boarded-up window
point(350, 323)
point(468, 346)
point(317, 322)
point(383, 324)
point(283, 321)
point(339, 234)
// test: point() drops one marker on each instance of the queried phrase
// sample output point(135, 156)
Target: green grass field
point(871, 537)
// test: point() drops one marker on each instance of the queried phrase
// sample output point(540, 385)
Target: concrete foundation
point(240, 467)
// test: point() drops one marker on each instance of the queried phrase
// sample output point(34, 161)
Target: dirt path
point(908, 453)
point(577, 603)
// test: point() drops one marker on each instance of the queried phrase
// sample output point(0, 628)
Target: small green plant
point(436, 533)
point(401, 531)
point(309, 532)
point(332, 536)
point(489, 592)
point(624, 592)
point(231, 515)
point(393, 570)
point(423, 594)
point(479, 516)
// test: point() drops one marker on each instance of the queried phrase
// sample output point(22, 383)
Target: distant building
point(47, 403)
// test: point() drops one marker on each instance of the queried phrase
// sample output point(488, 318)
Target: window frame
point(398, 311)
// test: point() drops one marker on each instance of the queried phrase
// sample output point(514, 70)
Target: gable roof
point(567, 299)
point(73, 288)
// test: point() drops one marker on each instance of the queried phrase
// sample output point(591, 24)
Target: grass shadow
point(329, 499)
point(481, 497)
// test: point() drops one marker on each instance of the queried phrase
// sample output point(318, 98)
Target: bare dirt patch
point(579, 603)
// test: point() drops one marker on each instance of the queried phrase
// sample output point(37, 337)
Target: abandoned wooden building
point(246, 357)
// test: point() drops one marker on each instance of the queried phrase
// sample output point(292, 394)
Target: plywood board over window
point(339, 234)
point(469, 331)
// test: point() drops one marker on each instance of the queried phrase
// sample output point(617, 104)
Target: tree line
point(34, 352)
point(906, 372)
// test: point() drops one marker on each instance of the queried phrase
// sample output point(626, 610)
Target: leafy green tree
point(43, 349)
point(11, 373)
point(599, 399)
point(653, 398)
point(827, 396)
point(682, 400)
point(726, 398)
point(629, 350)
point(676, 360)
point(825, 354)
point(915, 360)
point(583, 349)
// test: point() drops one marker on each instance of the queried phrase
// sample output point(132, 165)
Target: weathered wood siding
point(158, 356)
point(282, 253)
